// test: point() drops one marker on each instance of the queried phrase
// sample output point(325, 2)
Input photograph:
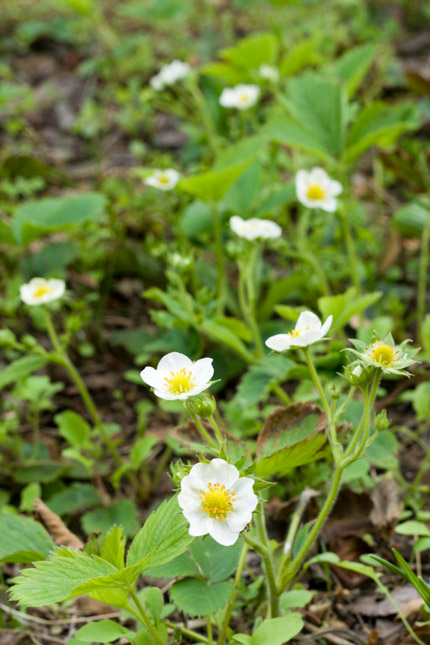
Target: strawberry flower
point(308, 330)
point(177, 377)
point(40, 291)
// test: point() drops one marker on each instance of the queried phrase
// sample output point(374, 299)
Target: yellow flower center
point(217, 502)
point(315, 192)
point(163, 179)
point(42, 290)
point(244, 98)
point(296, 332)
point(384, 354)
point(180, 382)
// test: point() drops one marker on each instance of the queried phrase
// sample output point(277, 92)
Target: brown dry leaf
point(56, 527)
point(285, 419)
point(387, 505)
point(368, 605)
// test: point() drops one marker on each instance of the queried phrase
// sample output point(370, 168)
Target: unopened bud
point(333, 391)
point(178, 470)
point(358, 375)
point(204, 406)
point(381, 421)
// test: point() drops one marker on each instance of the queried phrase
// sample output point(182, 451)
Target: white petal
point(243, 489)
point(174, 362)
point(203, 370)
point(198, 523)
point(279, 342)
point(306, 338)
point(152, 378)
point(326, 326)
point(308, 319)
point(301, 181)
point(198, 473)
point(335, 187)
point(239, 519)
point(221, 532)
point(167, 396)
point(219, 471)
point(329, 205)
point(320, 177)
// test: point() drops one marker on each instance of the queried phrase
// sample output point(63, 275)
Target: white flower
point(254, 228)
point(241, 97)
point(40, 291)
point(315, 189)
point(269, 73)
point(163, 179)
point(170, 74)
point(308, 330)
point(177, 377)
point(217, 501)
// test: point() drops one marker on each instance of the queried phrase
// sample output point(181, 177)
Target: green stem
point(402, 617)
point(423, 276)
point(230, 606)
point(350, 248)
point(420, 474)
point(209, 630)
point(365, 419)
point(215, 426)
point(292, 569)
point(220, 261)
point(200, 427)
point(145, 618)
point(188, 632)
point(342, 407)
point(280, 393)
point(207, 121)
point(330, 418)
point(266, 555)
point(65, 361)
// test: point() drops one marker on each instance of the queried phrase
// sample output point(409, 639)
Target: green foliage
point(101, 519)
point(199, 598)
point(74, 497)
point(295, 598)
point(103, 631)
point(255, 384)
point(404, 571)
point(21, 368)
point(23, 540)
point(352, 66)
point(344, 307)
point(286, 459)
point(38, 218)
point(212, 186)
point(273, 631)
point(162, 538)
point(409, 220)
point(73, 428)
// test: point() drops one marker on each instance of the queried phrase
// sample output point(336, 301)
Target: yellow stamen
point(163, 179)
point(294, 333)
point(315, 192)
point(244, 98)
point(217, 502)
point(383, 354)
point(180, 382)
point(42, 290)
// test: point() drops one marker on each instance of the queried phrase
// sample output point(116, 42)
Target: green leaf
point(409, 220)
point(6, 234)
point(163, 537)
point(413, 527)
point(103, 631)
point(123, 513)
point(23, 540)
point(215, 330)
point(299, 55)
point(198, 598)
point(20, 368)
point(54, 580)
point(360, 568)
point(290, 132)
point(275, 631)
point(212, 186)
point(183, 565)
point(75, 497)
point(352, 67)
point(244, 151)
point(36, 218)
point(343, 307)
point(197, 218)
point(253, 51)
point(113, 547)
point(323, 558)
point(295, 598)
point(379, 124)
point(286, 459)
point(243, 194)
point(141, 450)
point(216, 561)
point(28, 494)
point(73, 428)
point(255, 384)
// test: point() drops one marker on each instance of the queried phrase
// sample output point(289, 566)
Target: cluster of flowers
point(214, 497)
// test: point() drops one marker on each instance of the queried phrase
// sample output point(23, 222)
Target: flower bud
point(381, 421)
point(178, 470)
point(7, 338)
point(358, 375)
point(333, 391)
point(204, 406)
point(29, 342)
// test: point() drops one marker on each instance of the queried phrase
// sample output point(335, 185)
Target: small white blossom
point(177, 377)
point(40, 291)
point(269, 73)
point(163, 179)
point(241, 96)
point(216, 500)
point(308, 330)
point(170, 74)
point(316, 189)
point(385, 355)
point(254, 228)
